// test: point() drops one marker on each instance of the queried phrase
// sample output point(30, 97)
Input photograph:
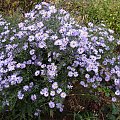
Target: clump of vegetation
point(43, 56)
point(90, 92)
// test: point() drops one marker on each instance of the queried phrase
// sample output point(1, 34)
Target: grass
point(94, 11)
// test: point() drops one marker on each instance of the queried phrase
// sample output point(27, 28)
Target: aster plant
point(43, 55)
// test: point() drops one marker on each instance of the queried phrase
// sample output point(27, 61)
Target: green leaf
point(111, 117)
point(115, 110)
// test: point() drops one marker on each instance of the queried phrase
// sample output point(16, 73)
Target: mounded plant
point(43, 55)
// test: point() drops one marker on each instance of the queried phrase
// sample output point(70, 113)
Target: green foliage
point(113, 113)
point(84, 11)
point(94, 11)
point(108, 112)
point(85, 116)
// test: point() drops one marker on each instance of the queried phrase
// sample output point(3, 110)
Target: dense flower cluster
point(44, 54)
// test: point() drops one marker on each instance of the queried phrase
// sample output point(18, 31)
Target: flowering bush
point(42, 56)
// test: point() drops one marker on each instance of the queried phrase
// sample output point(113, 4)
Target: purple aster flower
point(38, 6)
point(26, 88)
point(44, 92)
point(52, 9)
point(58, 105)
point(90, 24)
point(58, 42)
point(33, 97)
point(34, 57)
point(117, 81)
point(59, 90)
point(51, 104)
point(87, 76)
point(63, 94)
point(31, 84)
point(70, 73)
point(29, 62)
point(20, 95)
point(73, 44)
point(52, 93)
point(55, 85)
point(114, 99)
point(117, 92)
point(82, 83)
point(23, 66)
point(80, 50)
point(107, 78)
point(42, 44)
point(37, 73)
point(75, 74)
point(94, 85)
point(32, 52)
